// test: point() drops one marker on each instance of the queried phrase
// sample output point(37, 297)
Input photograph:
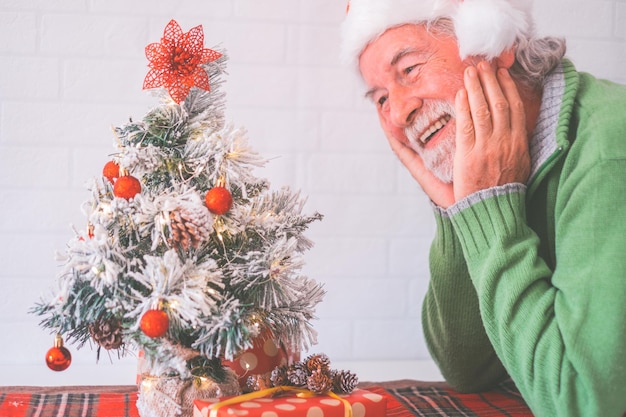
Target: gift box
point(362, 403)
point(265, 355)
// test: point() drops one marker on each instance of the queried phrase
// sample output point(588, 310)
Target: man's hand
point(439, 192)
point(491, 138)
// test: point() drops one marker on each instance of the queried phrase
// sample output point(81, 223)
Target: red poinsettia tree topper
point(176, 62)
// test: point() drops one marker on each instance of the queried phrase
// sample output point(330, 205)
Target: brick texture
point(73, 68)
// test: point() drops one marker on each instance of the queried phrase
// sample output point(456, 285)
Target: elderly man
point(524, 160)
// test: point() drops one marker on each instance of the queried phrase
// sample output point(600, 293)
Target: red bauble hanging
point(219, 200)
point(127, 187)
point(154, 323)
point(111, 171)
point(58, 357)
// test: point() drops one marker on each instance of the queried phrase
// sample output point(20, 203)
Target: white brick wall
point(72, 68)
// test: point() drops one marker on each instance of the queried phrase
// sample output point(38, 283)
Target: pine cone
point(344, 382)
point(257, 382)
point(317, 361)
point(279, 376)
point(189, 226)
point(319, 382)
point(106, 333)
point(297, 374)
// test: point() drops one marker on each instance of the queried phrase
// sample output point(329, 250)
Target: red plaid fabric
point(438, 399)
point(407, 399)
point(68, 404)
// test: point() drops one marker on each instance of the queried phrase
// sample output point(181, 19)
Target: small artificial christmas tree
point(186, 256)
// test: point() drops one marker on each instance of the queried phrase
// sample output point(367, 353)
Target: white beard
point(438, 160)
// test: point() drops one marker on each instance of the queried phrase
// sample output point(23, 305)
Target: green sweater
point(529, 281)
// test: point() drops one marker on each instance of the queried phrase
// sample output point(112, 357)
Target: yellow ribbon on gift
point(300, 392)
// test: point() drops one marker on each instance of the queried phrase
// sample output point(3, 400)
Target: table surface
point(405, 398)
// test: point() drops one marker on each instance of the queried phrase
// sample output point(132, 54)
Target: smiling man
point(524, 160)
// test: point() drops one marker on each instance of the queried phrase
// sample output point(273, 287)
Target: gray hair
point(535, 58)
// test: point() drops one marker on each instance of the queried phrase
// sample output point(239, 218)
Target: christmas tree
point(186, 256)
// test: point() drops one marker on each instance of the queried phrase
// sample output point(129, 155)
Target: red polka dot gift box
point(360, 403)
point(264, 356)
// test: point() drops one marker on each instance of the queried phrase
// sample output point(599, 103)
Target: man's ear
point(506, 58)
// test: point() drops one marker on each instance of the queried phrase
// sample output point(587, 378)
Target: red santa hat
point(482, 27)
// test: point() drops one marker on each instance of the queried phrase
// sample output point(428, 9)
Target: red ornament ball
point(111, 171)
point(58, 358)
point(127, 187)
point(219, 200)
point(154, 323)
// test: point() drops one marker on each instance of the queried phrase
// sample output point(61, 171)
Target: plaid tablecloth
point(404, 399)
point(416, 398)
point(83, 401)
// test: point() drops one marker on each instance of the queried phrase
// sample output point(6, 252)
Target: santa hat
point(482, 27)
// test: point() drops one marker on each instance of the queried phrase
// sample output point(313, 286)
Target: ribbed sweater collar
point(543, 142)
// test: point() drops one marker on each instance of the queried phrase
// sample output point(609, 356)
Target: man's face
point(413, 76)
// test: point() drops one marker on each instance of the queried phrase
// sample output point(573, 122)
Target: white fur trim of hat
point(482, 27)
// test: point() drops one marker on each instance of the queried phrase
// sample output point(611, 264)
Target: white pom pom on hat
point(482, 27)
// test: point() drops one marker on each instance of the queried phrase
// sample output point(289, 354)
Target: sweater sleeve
point(561, 333)
point(452, 324)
